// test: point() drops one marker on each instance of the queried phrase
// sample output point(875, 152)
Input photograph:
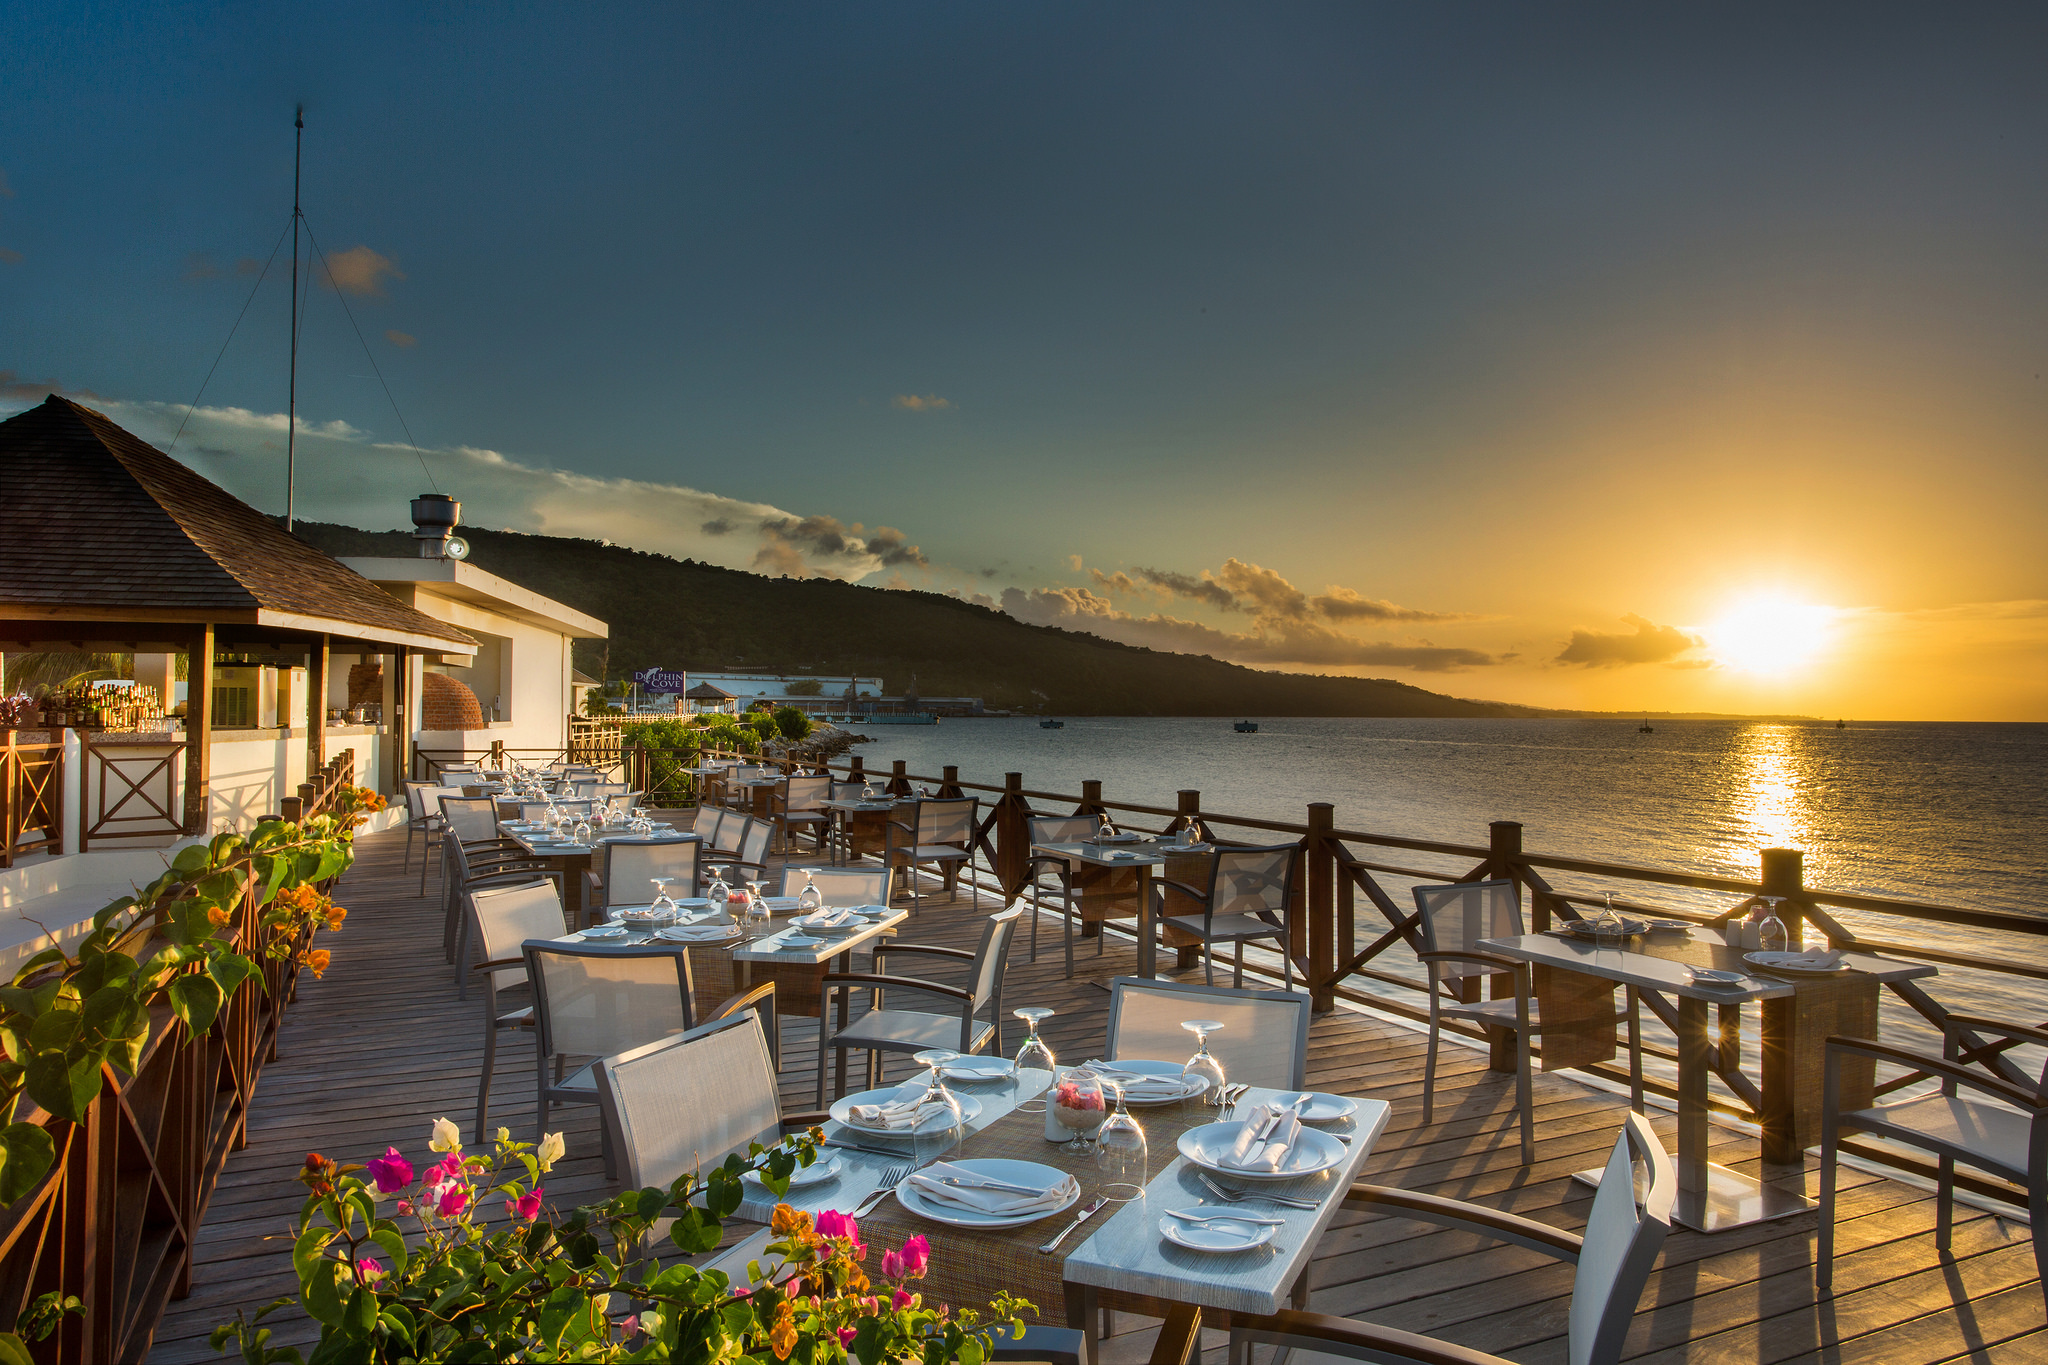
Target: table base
point(1730, 1200)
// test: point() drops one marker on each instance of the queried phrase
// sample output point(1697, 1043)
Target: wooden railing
point(317, 796)
point(115, 1220)
point(1351, 932)
point(31, 796)
point(125, 792)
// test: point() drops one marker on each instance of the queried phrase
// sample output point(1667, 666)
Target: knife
point(858, 1147)
point(1087, 1210)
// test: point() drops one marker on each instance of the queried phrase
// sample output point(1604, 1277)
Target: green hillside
point(682, 614)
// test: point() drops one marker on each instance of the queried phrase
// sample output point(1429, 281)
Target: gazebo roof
point(99, 525)
point(706, 692)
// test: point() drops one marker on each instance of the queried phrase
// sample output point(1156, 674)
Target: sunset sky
point(1584, 356)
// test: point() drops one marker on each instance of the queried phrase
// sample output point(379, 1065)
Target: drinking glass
point(581, 834)
point(717, 893)
point(1202, 1066)
point(1771, 934)
point(1607, 925)
point(1108, 827)
point(1033, 1056)
point(867, 791)
point(1077, 1102)
point(662, 900)
point(758, 914)
point(934, 1137)
point(1120, 1153)
point(808, 900)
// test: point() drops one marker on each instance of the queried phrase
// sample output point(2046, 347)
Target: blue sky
point(1493, 330)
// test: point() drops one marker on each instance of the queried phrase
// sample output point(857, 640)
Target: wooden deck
point(371, 1055)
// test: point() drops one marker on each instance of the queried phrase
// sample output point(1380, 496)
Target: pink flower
point(446, 1169)
point(527, 1206)
point(454, 1198)
point(368, 1268)
point(892, 1264)
point(629, 1324)
point(902, 1299)
point(846, 1336)
point(405, 1208)
point(391, 1171)
point(916, 1256)
point(833, 1223)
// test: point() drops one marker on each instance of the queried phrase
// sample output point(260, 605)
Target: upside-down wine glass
point(1034, 1055)
point(1107, 831)
point(808, 900)
point(1607, 925)
point(1120, 1153)
point(942, 1131)
point(663, 902)
point(758, 914)
point(1203, 1066)
point(716, 892)
point(1771, 934)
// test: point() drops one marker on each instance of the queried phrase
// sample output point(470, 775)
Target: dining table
point(572, 859)
point(1798, 1013)
point(860, 826)
point(1118, 1258)
point(1111, 873)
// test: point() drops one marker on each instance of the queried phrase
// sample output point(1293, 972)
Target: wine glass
point(867, 791)
point(1771, 934)
point(1203, 1066)
point(758, 914)
point(1078, 1104)
point(663, 903)
point(581, 834)
point(933, 1137)
point(1607, 925)
point(717, 893)
point(808, 900)
point(1107, 830)
point(1033, 1056)
point(1120, 1153)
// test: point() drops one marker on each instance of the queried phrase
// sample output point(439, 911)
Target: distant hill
point(683, 614)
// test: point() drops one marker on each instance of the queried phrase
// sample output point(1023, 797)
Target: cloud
point(1074, 563)
point(1118, 582)
point(1269, 641)
point(403, 340)
point(1648, 643)
point(1342, 604)
point(989, 573)
point(200, 266)
point(361, 271)
point(349, 476)
point(911, 402)
point(1244, 587)
point(1203, 589)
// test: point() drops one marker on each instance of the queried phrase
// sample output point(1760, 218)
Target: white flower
point(551, 1149)
point(447, 1137)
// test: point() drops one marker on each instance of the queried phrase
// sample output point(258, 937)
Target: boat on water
point(1052, 725)
point(1246, 727)
point(1841, 725)
point(1646, 728)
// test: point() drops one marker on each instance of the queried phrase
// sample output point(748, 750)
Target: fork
point(890, 1181)
point(1233, 1196)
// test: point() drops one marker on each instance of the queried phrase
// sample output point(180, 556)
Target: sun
point(1770, 634)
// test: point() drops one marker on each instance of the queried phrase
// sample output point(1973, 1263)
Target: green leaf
point(13, 1351)
point(26, 1153)
point(231, 970)
point(391, 1242)
point(323, 1294)
point(196, 1000)
point(55, 1029)
point(62, 1083)
point(271, 871)
point(306, 1252)
point(361, 1317)
point(191, 861)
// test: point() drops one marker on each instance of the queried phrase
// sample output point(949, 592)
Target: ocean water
point(1955, 814)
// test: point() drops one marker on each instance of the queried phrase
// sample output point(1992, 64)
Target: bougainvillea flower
point(551, 1150)
point(453, 1199)
point(892, 1264)
point(391, 1171)
point(446, 1137)
point(846, 1336)
point(917, 1255)
point(903, 1298)
point(526, 1206)
point(369, 1268)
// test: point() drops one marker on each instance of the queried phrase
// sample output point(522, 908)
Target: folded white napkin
point(1135, 1082)
point(1248, 1153)
point(695, 933)
point(829, 919)
point(1831, 958)
point(930, 1183)
point(902, 1112)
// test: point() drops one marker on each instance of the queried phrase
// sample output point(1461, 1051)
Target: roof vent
point(433, 516)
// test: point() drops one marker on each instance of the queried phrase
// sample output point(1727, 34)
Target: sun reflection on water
point(1770, 803)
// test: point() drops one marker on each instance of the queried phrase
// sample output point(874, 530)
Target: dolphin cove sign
point(662, 680)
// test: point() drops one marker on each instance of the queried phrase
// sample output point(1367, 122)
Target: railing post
point(949, 782)
point(1784, 875)
point(1504, 856)
point(1190, 816)
point(899, 778)
point(1013, 834)
point(1322, 907)
point(856, 768)
point(1091, 797)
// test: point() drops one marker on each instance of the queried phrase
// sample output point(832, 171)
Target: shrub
point(793, 724)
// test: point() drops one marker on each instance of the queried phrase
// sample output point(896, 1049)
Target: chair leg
point(1429, 1060)
point(406, 866)
point(1208, 963)
point(540, 1098)
point(1635, 1050)
point(1237, 967)
point(1944, 1203)
point(1525, 1099)
point(1824, 1245)
point(824, 1029)
point(462, 960)
point(1067, 929)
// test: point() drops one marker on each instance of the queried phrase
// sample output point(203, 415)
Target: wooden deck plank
point(371, 1055)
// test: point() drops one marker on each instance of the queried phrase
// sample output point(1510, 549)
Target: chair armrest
point(2031, 1101)
point(889, 946)
point(513, 878)
point(1456, 1213)
point(497, 964)
point(1495, 960)
point(1361, 1340)
point(1979, 1024)
point(1159, 885)
point(908, 983)
point(811, 1119)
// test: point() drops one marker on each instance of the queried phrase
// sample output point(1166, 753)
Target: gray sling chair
point(748, 852)
point(500, 919)
point(2004, 1133)
point(1264, 1038)
point(1248, 897)
point(892, 1030)
point(1614, 1257)
point(422, 817)
point(626, 869)
point(1455, 917)
point(1056, 829)
point(839, 886)
point(591, 1000)
point(941, 832)
point(836, 833)
point(794, 809)
point(472, 821)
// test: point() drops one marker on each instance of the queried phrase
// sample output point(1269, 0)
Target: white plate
point(973, 1069)
point(1707, 976)
point(692, 934)
point(1669, 926)
point(1321, 1108)
point(795, 942)
point(995, 1168)
point(970, 1108)
point(692, 903)
point(605, 931)
point(817, 1173)
point(1793, 964)
point(1207, 1145)
point(1145, 1067)
point(846, 926)
point(1223, 1235)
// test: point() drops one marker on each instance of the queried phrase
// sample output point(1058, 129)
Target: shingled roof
point(97, 521)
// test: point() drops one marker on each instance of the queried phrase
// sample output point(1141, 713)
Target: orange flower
point(317, 959)
point(216, 915)
point(782, 1337)
point(335, 915)
point(786, 1221)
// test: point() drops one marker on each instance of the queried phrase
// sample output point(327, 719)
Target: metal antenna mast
point(292, 391)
